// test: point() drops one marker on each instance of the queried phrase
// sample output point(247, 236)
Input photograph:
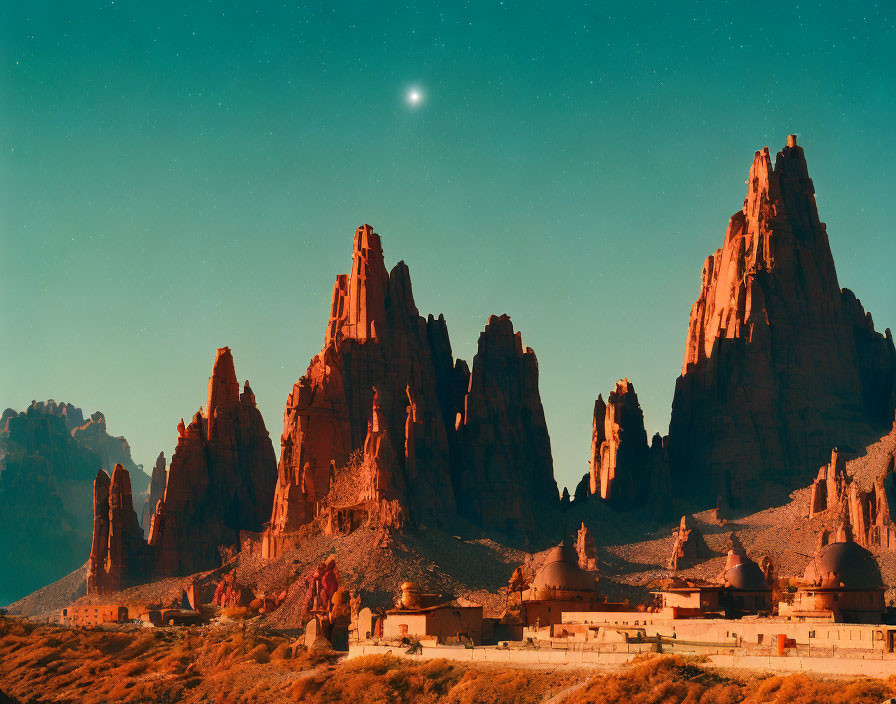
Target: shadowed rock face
point(436, 416)
point(777, 369)
point(504, 466)
point(221, 479)
point(622, 469)
point(155, 492)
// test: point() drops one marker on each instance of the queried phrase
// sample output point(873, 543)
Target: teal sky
point(179, 176)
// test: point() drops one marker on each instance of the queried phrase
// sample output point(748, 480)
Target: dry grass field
point(44, 663)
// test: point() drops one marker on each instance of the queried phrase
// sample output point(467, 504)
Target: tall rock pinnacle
point(504, 467)
point(359, 298)
point(221, 479)
point(375, 344)
point(434, 437)
point(771, 378)
point(118, 554)
point(155, 492)
point(619, 467)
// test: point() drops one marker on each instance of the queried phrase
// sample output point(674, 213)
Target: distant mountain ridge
point(49, 456)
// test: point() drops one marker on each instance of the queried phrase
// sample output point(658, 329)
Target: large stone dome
point(746, 576)
point(561, 571)
point(844, 565)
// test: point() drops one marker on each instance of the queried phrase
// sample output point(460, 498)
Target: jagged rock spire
point(622, 450)
point(771, 377)
point(221, 479)
point(118, 554)
point(505, 468)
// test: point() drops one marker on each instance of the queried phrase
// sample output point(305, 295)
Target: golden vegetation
point(42, 663)
point(676, 680)
point(392, 680)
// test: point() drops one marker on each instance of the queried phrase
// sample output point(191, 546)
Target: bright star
point(414, 97)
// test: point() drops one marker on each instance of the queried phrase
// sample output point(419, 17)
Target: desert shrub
point(659, 680)
point(800, 689)
point(515, 686)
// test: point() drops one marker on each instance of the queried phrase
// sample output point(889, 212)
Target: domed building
point(740, 589)
point(843, 583)
point(745, 588)
point(560, 585)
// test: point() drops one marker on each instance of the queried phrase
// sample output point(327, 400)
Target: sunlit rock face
point(779, 364)
point(619, 453)
point(375, 345)
point(430, 416)
point(221, 479)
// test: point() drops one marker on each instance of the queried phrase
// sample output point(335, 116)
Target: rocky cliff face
point(433, 419)
point(619, 467)
point(622, 469)
point(375, 339)
point(221, 479)
point(118, 554)
point(154, 493)
point(504, 466)
point(777, 369)
point(876, 358)
point(47, 469)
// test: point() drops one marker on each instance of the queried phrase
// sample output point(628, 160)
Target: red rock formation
point(622, 469)
point(598, 436)
point(619, 465)
point(118, 552)
point(441, 434)
point(380, 468)
point(231, 594)
point(829, 486)
point(687, 544)
point(99, 549)
point(155, 492)
point(504, 468)
point(375, 338)
point(586, 549)
point(221, 479)
point(321, 587)
point(864, 513)
point(776, 368)
point(46, 490)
